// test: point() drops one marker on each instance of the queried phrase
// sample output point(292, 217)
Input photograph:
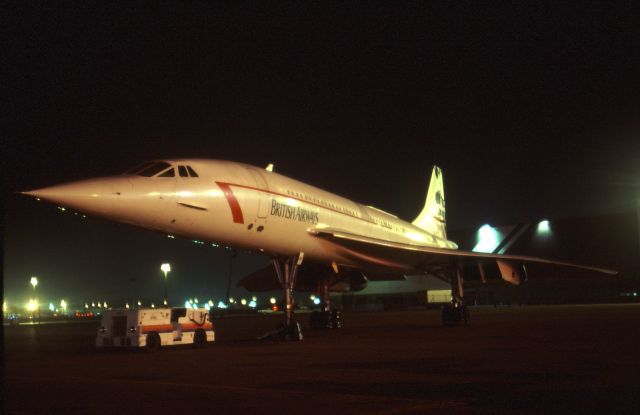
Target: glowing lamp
point(543, 227)
point(488, 239)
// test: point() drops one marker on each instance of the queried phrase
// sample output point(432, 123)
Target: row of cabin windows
point(339, 208)
point(161, 169)
point(322, 202)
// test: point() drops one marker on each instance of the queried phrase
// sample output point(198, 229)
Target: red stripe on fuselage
point(236, 212)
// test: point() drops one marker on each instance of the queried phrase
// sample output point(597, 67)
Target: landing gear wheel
point(153, 342)
point(336, 319)
point(293, 332)
point(455, 315)
point(199, 339)
point(282, 332)
point(325, 319)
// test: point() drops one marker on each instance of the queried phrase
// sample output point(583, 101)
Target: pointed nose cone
point(96, 196)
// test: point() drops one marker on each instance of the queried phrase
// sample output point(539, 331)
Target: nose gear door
point(262, 195)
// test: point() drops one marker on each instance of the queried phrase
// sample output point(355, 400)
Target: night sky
point(530, 109)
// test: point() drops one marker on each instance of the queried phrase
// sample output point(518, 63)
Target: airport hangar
point(609, 241)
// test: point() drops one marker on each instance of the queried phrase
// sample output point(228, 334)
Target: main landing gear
point(289, 329)
point(327, 318)
point(456, 313)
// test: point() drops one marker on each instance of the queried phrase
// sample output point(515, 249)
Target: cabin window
point(183, 171)
point(192, 172)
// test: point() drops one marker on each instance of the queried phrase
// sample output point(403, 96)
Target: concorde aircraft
point(330, 242)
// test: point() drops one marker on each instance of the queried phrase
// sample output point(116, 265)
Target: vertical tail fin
point(432, 217)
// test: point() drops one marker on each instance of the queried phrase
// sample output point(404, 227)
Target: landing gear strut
point(289, 329)
point(456, 313)
point(327, 318)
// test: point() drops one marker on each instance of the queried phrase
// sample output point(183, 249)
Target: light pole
point(166, 267)
point(34, 282)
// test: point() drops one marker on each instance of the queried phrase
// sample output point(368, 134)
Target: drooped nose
point(97, 196)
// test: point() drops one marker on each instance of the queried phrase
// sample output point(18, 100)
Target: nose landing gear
point(289, 329)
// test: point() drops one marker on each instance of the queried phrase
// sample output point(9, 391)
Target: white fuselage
point(238, 205)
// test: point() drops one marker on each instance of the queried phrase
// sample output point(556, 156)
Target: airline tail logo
point(433, 216)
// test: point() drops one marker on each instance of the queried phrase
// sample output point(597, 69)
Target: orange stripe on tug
point(193, 327)
point(156, 327)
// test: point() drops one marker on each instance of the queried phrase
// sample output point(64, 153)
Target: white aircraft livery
point(333, 243)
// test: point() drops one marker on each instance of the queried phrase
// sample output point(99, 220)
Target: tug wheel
point(199, 339)
point(153, 342)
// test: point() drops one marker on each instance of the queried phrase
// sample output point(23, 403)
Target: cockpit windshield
point(161, 169)
point(139, 167)
point(149, 169)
